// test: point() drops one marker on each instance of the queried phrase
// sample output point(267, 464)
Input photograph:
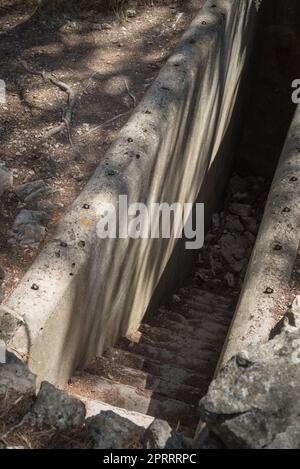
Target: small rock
point(250, 237)
point(233, 224)
point(126, 101)
point(55, 408)
point(45, 205)
point(9, 323)
point(108, 430)
point(106, 26)
point(176, 299)
point(30, 190)
point(251, 225)
point(97, 26)
point(234, 251)
point(28, 228)
point(240, 196)
point(242, 210)
point(161, 436)
point(229, 277)
point(238, 185)
point(131, 13)
point(202, 274)
point(6, 178)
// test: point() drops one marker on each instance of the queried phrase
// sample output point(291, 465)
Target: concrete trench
point(95, 324)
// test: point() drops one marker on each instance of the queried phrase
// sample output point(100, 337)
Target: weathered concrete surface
point(254, 402)
point(95, 407)
point(82, 293)
point(274, 253)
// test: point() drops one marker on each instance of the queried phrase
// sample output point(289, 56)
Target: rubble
point(161, 436)
point(242, 210)
point(234, 249)
point(55, 408)
point(254, 401)
point(108, 430)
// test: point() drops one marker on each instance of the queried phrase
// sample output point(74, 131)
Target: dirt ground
point(108, 59)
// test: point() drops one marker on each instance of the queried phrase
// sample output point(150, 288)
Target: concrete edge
point(274, 254)
point(83, 302)
point(94, 407)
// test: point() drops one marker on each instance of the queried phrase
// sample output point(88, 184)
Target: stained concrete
point(82, 293)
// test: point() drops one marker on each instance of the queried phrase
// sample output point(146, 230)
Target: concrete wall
point(271, 267)
point(183, 133)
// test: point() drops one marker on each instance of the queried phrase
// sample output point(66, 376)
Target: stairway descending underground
point(164, 368)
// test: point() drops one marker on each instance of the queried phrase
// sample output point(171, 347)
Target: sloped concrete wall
point(95, 290)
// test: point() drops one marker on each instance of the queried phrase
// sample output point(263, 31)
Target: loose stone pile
point(54, 419)
point(228, 245)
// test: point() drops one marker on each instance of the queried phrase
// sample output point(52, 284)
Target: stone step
point(94, 407)
point(193, 312)
point(206, 347)
point(169, 372)
point(146, 402)
point(183, 321)
point(206, 297)
point(143, 380)
point(175, 358)
point(168, 331)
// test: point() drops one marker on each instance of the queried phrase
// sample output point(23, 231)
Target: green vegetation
point(258, 4)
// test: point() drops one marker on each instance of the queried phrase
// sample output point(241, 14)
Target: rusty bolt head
point(111, 172)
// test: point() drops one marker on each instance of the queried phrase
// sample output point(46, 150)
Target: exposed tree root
point(67, 114)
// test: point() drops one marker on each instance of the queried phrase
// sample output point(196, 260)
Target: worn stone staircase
point(164, 368)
